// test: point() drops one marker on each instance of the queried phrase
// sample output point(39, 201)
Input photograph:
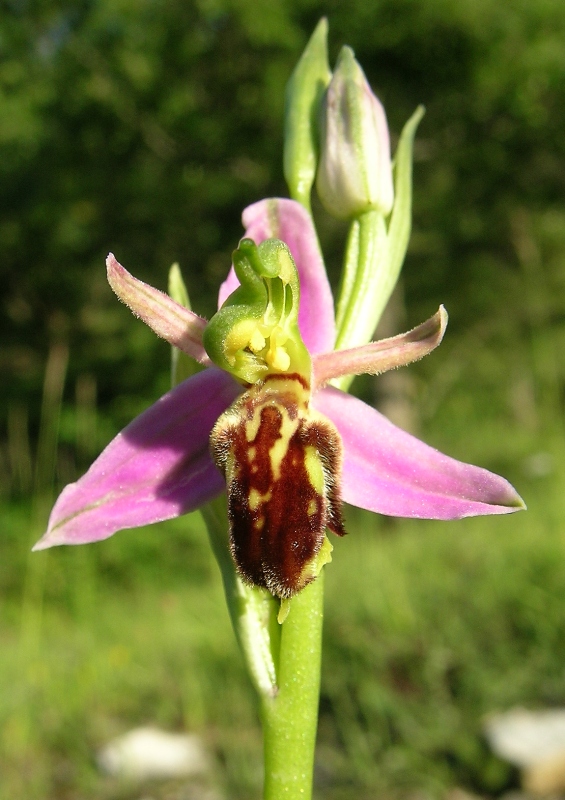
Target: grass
point(127, 637)
point(428, 627)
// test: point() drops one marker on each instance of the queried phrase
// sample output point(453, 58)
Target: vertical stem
point(284, 664)
point(290, 718)
point(348, 273)
point(365, 289)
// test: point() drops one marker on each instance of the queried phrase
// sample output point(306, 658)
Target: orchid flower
point(160, 466)
point(267, 420)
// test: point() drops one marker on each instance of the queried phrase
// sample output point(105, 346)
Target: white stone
point(526, 738)
point(150, 753)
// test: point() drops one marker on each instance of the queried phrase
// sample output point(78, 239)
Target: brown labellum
point(282, 465)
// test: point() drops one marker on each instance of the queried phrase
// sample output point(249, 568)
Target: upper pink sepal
point(158, 467)
point(391, 472)
point(287, 220)
point(176, 324)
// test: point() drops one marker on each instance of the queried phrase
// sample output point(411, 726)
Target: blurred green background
point(144, 128)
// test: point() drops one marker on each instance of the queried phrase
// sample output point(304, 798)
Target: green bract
point(304, 93)
point(255, 333)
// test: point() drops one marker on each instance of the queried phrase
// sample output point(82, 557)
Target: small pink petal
point(391, 472)
point(386, 354)
point(279, 218)
point(227, 287)
point(157, 468)
point(167, 318)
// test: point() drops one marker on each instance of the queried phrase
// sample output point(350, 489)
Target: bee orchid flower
point(263, 419)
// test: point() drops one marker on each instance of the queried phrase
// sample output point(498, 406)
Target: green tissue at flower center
point(255, 333)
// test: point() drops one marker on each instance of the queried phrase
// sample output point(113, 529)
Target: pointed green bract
point(177, 287)
point(253, 610)
point(304, 94)
point(400, 223)
point(255, 333)
point(182, 366)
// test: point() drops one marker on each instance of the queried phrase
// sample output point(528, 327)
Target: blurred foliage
point(429, 627)
point(145, 128)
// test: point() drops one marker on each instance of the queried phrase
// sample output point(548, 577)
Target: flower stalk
point(283, 662)
point(290, 718)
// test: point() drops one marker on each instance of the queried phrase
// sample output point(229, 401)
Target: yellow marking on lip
point(314, 468)
point(312, 508)
point(278, 386)
point(251, 453)
point(252, 425)
point(256, 498)
point(280, 448)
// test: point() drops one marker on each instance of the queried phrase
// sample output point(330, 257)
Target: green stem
point(290, 718)
point(283, 661)
point(348, 274)
point(369, 245)
point(365, 286)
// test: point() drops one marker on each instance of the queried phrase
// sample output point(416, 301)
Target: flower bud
point(355, 171)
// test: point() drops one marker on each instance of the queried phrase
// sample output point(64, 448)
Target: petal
point(279, 218)
point(167, 318)
point(157, 468)
point(228, 286)
point(378, 357)
point(391, 472)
